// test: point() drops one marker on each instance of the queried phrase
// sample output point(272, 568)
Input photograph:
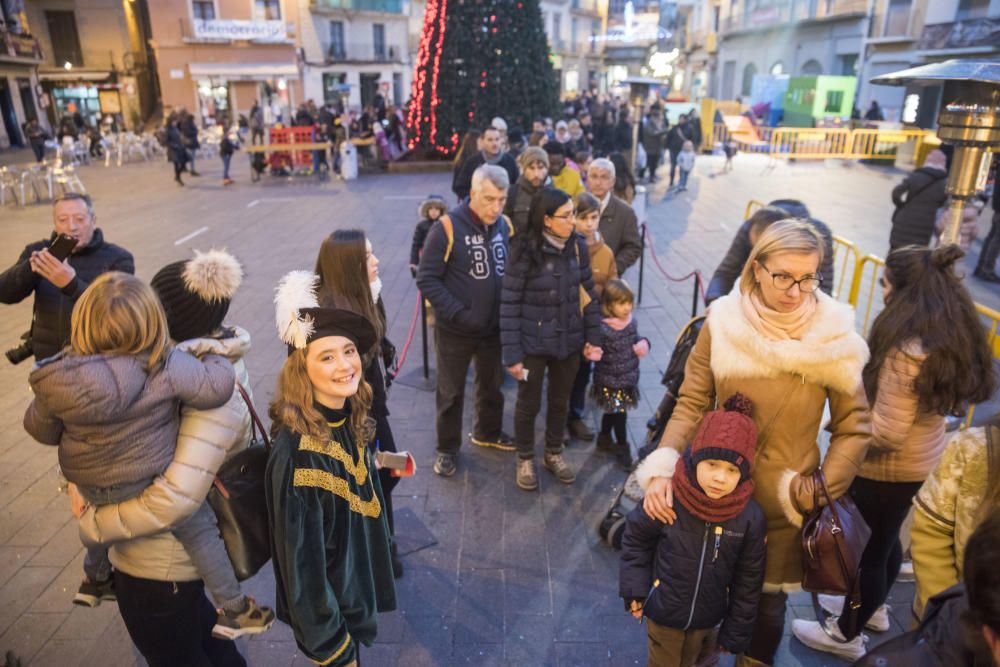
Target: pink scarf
point(773, 324)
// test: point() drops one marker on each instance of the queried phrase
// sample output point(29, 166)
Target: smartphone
point(399, 464)
point(62, 247)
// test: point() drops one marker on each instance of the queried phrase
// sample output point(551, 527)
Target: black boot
point(605, 442)
point(397, 565)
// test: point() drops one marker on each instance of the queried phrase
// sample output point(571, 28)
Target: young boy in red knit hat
point(707, 567)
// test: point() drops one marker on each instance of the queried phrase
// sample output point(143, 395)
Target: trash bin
point(348, 161)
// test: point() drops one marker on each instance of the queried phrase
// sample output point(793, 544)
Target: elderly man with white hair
point(618, 226)
point(461, 272)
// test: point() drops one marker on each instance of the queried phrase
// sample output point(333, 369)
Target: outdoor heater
point(638, 93)
point(969, 120)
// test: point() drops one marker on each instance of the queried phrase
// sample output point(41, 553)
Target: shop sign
point(257, 31)
point(23, 47)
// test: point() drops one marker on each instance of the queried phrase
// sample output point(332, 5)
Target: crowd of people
point(527, 276)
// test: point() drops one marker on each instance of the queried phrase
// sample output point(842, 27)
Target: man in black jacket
point(986, 266)
point(57, 285)
point(676, 137)
point(917, 200)
point(732, 265)
point(618, 226)
point(461, 273)
point(492, 153)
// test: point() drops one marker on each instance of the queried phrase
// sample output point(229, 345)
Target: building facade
point(216, 57)
point(907, 33)
point(21, 97)
point(576, 31)
point(356, 50)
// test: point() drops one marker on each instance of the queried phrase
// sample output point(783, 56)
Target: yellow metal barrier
point(846, 258)
point(802, 143)
point(751, 208)
point(810, 144)
point(871, 144)
point(866, 275)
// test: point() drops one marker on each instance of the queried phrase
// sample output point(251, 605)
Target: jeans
point(684, 178)
point(884, 506)
point(199, 534)
point(190, 158)
point(39, 149)
point(453, 353)
point(529, 402)
point(673, 164)
point(171, 622)
point(257, 136)
point(226, 159)
point(991, 247)
point(578, 396)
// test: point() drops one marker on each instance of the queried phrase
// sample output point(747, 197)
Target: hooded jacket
point(619, 365)
point(518, 205)
point(206, 438)
point(114, 422)
point(694, 574)
point(917, 200)
point(465, 289)
point(54, 306)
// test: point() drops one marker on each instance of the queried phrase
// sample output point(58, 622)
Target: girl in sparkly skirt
point(616, 375)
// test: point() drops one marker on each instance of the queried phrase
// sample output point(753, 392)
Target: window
point(337, 49)
point(849, 65)
point(897, 18)
point(972, 9)
point(378, 39)
point(812, 68)
point(834, 100)
point(64, 37)
point(572, 35)
point(595, 30)
point(203, 10)
point(748, 74)
point(557, 30)
point(267, 10)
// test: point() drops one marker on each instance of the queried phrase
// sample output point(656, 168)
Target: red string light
point(420, 111)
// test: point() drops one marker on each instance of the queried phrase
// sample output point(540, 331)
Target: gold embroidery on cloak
point(335, 450)
point(338, 486)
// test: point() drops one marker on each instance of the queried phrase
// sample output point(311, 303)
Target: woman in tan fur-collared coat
point(790, 349)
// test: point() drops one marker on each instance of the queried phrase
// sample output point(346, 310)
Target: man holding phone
point(59, 269)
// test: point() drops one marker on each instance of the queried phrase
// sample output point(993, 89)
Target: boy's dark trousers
point(561, 373)
point(670, 647)
point(453, 353)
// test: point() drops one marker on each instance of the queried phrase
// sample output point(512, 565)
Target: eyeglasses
point(569, 216)
point(785, 282)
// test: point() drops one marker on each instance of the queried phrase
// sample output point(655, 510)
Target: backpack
point(449, 232)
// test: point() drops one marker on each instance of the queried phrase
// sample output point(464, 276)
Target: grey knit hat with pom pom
point(196, 293)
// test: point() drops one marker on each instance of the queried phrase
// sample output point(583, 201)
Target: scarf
point(690, 494)
point(492, 160)
point(617, 323)
point(773, 324)
point(558, 242)
point(376, 287)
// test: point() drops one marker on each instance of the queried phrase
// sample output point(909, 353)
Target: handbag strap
point(255, 421)
point(852, 602)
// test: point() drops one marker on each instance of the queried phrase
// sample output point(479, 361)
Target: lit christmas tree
point(479, 59)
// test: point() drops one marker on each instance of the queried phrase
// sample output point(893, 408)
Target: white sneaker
point(879, 622)
point(812, 635)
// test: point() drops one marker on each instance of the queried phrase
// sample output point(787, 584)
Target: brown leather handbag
point(834, 537)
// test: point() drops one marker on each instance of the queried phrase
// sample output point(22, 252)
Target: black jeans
point(39, 149)
point(578, 396)
point(617, 422)
point(529, 402)
point(884, 506)
point(453, 353)
point(170, 622)
point(768, 628)
point(673, 165)
point(991, 247)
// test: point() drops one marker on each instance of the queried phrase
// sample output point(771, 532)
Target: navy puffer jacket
point(703, 572)
point(540, 305)
point(619, 366)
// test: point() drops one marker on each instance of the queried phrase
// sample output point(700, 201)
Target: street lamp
point(638, 93)
point(969, 120)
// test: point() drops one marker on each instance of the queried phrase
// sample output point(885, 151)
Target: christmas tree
point(479, 59)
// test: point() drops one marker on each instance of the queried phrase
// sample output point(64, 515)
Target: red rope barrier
point(409, 335)
point(656, 260)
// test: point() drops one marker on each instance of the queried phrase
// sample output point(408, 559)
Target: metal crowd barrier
point(846, 259)
point(803, 143)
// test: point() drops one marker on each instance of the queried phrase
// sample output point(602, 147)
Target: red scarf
point(690, 494)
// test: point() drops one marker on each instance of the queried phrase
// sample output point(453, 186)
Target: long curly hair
point(293, 405)
point(930, 305)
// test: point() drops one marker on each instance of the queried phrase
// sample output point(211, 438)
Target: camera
point(16, 355)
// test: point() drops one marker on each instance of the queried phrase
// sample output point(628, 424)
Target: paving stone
point(479, 616)
point(278, 654)
point(58, 596)
point(63, 653)
point(529, 640)
point(478, 655)
point(578, 655)
point(62, 547)
point(21, 591)
point(428, 640)
point(87, 623)
point(28, 634)
point(12, 559)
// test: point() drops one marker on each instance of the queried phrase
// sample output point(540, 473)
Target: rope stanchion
point(696, 274)
point(409, 334)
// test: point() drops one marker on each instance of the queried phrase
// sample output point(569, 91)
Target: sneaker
point(813, 635)
point(527, 478)
point(253, 620)
point(879, 622)
point(906, 572)
point(92, 593)
point(228, 181)
point(446, 464)
point(579, 430)
point(503, 442)
point(555, 464)
point(605, 442)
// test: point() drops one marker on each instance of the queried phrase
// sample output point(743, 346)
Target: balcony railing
point(19, 46)
point(381, 6)
point(362, 53)
point(586, 6)
point(792, 10)
point(960, 35)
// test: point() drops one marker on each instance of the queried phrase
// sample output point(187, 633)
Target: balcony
point(586, 7)
point(19, 48)
point(974, 35)
point(792, 11)
point(374, 6)
point(363, 53)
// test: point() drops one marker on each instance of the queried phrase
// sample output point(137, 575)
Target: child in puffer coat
point(616, 375)
point(706, 567)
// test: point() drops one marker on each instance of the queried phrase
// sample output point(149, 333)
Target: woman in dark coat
point(548, 314)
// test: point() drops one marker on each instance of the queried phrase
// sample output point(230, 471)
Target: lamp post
point(638, 93)
point(969, 120)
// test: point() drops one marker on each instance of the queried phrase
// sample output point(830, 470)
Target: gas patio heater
point(969, 120)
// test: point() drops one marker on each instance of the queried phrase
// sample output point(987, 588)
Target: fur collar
point(831, 354)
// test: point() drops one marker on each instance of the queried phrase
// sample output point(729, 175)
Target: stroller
point(612, 525)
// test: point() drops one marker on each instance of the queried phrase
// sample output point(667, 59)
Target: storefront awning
point(243, 71)
point(72, 75)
